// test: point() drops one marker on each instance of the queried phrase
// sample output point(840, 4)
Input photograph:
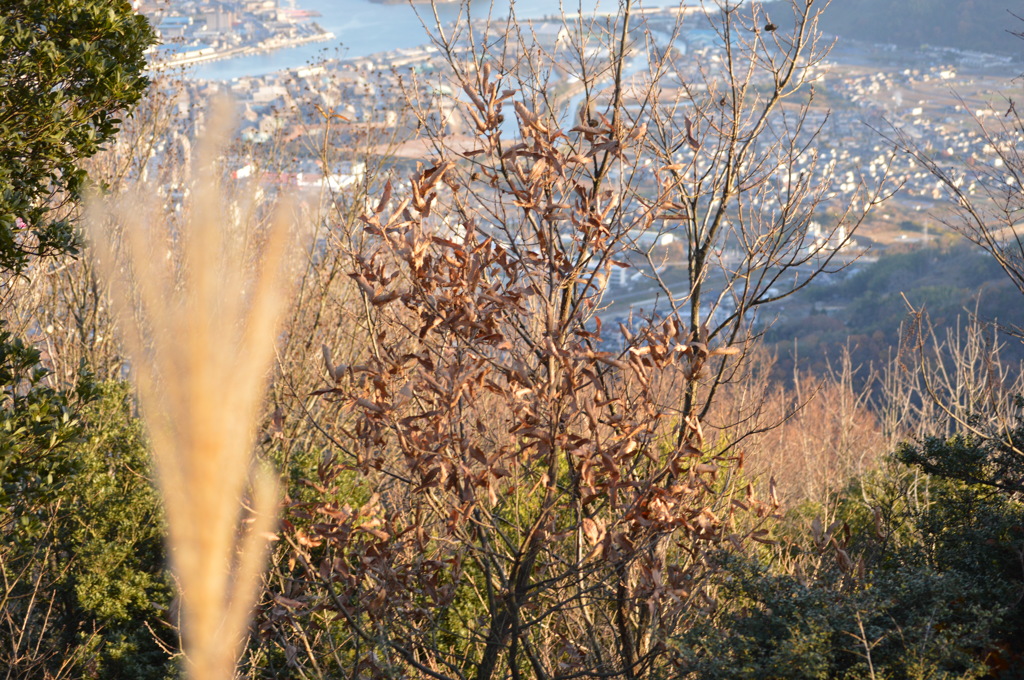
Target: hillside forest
point(978, 25)
point(398, 428)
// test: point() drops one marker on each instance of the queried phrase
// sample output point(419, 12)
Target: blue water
point(362, 27)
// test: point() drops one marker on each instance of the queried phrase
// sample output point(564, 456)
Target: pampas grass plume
point(199, 298)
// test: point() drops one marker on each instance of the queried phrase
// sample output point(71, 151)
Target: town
point(870, 103)
point(198, 31)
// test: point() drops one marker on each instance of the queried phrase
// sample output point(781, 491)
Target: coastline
point(209, 54)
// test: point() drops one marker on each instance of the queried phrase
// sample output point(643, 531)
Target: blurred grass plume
point(199, 295)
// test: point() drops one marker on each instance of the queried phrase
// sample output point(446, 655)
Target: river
point(362, 27)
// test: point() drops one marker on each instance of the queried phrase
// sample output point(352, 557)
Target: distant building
point(173, 26)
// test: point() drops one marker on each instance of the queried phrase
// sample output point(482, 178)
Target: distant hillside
point(981, 25)
point(864, 310)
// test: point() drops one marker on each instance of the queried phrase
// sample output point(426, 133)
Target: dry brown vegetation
point(481, 477)
point(199, 302)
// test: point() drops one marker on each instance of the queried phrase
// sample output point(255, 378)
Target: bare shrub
point(508, 484)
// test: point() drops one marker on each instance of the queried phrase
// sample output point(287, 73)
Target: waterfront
point(362, 27)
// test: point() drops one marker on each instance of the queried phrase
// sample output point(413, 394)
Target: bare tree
point(742, 179)
point(541, 498)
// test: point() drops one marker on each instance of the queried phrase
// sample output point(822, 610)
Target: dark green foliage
point(770, 627)
point(81, 554)
point(87, 588)
point(911, 621)
point(115, 536)
point(68, 70)
point(995, 462)
point(973, 523)
point(932, 586)
point(36, 424)
point(37, 432)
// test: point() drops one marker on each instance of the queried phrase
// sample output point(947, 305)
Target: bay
point(362, 28)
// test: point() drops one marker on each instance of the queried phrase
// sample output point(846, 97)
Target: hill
point(982, 25)
point(864, 311)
